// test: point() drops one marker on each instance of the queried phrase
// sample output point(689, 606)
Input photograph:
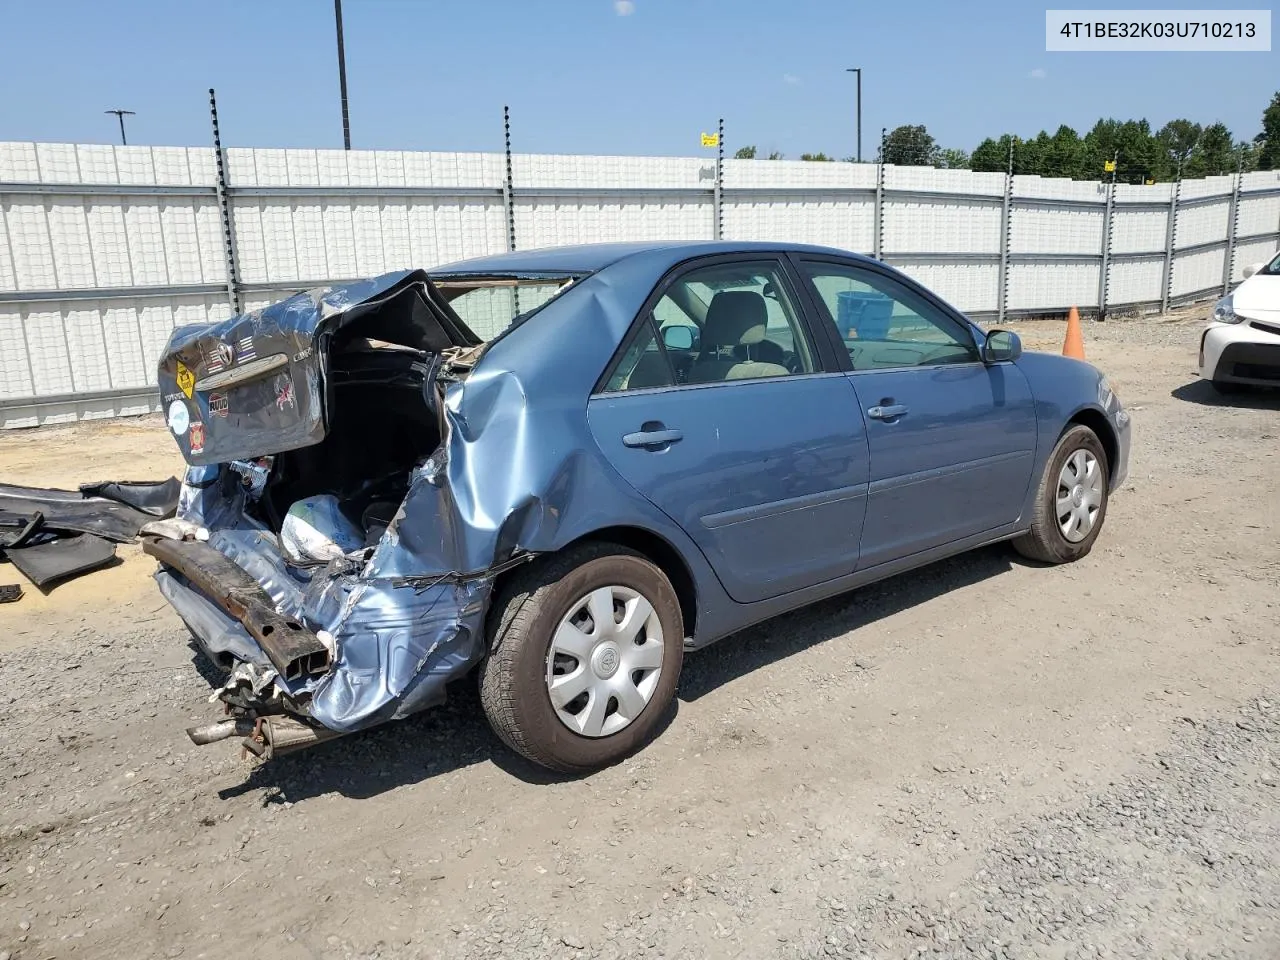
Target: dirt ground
point(979, 759)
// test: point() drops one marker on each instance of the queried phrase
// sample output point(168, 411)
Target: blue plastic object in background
point(864, 314)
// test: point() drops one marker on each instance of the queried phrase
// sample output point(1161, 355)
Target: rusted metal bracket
point(293, 650)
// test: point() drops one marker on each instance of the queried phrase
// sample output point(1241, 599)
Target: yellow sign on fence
point(1109, 166)
point(711, 139)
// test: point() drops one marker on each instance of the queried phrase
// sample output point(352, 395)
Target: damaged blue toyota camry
point(560, 470)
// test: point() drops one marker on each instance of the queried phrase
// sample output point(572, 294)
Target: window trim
point(875, 268)
point(826, 359)
point(633, 336)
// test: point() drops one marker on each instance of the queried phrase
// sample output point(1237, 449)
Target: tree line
point(1181, 148)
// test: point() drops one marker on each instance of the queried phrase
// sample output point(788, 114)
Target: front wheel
point(585, 650)
point(1071, 503)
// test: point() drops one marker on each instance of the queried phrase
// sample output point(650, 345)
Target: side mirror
point(678, 337)
point(1252, 268)
point(1001, 345)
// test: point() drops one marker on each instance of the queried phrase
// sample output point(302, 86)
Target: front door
point(952, 440)
point(737, 433)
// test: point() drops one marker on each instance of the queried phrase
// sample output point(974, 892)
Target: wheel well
point(665, 556)
point(1099, 424)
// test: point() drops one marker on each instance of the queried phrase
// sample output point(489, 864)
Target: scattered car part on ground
point(53, 535)
point(62, 558)
point(76, 511)
point(1240, 348)
point(158, 498)
point(10, 592)
point(667, 443)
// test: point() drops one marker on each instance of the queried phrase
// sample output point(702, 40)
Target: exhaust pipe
point(277, 735)
point(222, 730)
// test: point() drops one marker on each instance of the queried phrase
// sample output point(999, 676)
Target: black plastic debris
point(10, 592)
point(46, 563)
point(73, 511)
point(158, 498)
point(19, 531)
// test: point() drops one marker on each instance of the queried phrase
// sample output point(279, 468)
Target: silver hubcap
point(605, 660)
point(1079, 495)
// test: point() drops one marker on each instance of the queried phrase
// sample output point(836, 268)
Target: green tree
point(776, 155)
point(991, 156)
point(952, 158)
point(1139, 155)
point(909, 146)
point(1179, 138)
point(1269, 140)
point(745, 153)
point(1214, 155)
point(1064, 155)
point(814, 156)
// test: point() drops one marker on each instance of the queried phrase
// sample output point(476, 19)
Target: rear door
point(952, 440)
point(751, 441)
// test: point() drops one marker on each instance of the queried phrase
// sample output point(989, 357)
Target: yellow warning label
point(711, 139)
point(1109, 166)
point(186, 379)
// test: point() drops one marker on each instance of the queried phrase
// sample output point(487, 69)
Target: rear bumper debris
point(293, 650)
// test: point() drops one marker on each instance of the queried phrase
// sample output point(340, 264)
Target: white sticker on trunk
point(179, 418)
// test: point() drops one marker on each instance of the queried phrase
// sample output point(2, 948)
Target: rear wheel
point(584, 656)
point(1071, 503)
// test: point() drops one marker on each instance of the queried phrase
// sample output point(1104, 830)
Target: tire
point(1046, 541)
point(1227, 388)
point(523, 622)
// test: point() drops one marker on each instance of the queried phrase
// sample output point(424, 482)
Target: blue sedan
point(562, 469)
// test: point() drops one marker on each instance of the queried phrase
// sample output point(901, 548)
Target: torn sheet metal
point(253, 384)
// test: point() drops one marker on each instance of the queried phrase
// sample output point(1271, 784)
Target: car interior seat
point(735, 319)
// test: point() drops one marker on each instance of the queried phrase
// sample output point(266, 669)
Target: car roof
point(591, 257)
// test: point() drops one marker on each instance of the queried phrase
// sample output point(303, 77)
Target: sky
point(586, 76)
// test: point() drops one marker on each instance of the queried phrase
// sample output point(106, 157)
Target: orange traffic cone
point(1073, 346)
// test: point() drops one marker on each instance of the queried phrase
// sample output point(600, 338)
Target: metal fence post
point(1104, 275)
point(877, 236)
point(1170, 236)
point(717, 198)
point(1006, 239)
point(508, 191)
point(224, 208)
point(1233, 216)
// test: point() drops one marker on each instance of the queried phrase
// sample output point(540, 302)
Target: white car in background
point(1241, 346)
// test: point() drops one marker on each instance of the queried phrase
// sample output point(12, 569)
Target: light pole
point(120, 115)
point(858, 71)
point(342, 76)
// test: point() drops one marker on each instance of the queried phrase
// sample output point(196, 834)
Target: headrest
point(735, 317)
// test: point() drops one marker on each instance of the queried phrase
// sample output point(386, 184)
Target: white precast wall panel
point(99, 254)
point(1137, 280)
point(29, 244)
point(1052, 287)
point(1197, 272)
point(787, 218)
point(972, 287)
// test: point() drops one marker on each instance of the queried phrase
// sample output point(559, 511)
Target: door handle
point(651, 438)
point(886, 411)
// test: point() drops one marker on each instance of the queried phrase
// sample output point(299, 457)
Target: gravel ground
point(979, 759)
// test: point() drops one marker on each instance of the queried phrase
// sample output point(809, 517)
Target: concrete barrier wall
point(104, 249)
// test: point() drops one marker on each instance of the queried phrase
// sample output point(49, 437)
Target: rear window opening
point(492, 305)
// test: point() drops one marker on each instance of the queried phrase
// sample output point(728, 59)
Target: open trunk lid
point(255, 384)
